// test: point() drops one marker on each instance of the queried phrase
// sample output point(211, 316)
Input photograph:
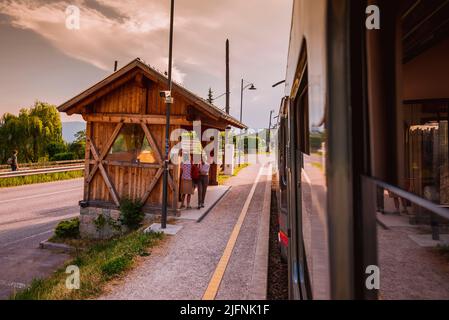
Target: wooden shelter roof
point(77, 104)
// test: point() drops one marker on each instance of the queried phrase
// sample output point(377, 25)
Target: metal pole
point(241, 117)
point(115, 65)
point(168, 103)
point(269, 133)
point(227, 76)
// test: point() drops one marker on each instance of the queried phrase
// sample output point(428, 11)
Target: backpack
point(9, 161)
point(195, 172)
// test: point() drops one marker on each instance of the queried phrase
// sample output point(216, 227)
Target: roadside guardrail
point(22, 173)
point(41, 165)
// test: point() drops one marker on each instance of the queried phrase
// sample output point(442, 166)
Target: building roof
point(151, 74)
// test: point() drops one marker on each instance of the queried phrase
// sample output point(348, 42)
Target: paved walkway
point(409, 270)
point(28, 215)
point(182, 267)
point(213, 195)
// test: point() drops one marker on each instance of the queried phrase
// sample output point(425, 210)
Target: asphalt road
point(28, 215)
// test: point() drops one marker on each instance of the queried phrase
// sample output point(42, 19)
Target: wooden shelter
point(125, 135)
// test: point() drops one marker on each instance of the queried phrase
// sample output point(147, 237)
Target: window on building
point(131, 145)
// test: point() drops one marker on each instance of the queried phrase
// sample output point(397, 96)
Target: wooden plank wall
point(131, 182)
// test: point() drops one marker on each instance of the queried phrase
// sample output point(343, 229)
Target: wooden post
point(87, 161)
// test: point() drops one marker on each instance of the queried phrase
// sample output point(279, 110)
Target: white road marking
point(26, 238)
point(41, 195)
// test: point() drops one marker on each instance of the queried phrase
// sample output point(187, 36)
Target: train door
point(298, 144)
point(296, 270)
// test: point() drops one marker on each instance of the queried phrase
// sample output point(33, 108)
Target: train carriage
point(363, 130)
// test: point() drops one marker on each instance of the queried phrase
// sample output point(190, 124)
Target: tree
point(54, 148)
point(78, 146)
point(80, 136)
point(30, 132)
point(210, 96)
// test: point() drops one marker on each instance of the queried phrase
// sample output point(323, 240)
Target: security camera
point(165, 94)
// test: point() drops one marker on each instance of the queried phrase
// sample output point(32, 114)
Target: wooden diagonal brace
point(152, 142)
point(105, 175)
point(105, 150)
point(152, 184)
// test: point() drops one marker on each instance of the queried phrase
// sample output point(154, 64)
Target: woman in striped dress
point(186, 181)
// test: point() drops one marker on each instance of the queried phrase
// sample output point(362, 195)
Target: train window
point(282, 147)
point(426, 150)
point(409, 116)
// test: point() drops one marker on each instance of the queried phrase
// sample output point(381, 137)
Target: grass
point(98, 262)
point(222, 178)
point(40, 178)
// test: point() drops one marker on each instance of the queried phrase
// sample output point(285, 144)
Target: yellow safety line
point(215, 281)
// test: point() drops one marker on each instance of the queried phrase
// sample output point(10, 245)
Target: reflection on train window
point(426, 157)
point(131, 145)
point(409, 128)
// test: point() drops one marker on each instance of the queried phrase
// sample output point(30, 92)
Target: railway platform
point(224, 256)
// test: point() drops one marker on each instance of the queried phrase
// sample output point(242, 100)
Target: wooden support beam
point(130, 164)
point(87, 162)
point(105, 150)
point(136, 118)
point(105, 175)
point(152, 143)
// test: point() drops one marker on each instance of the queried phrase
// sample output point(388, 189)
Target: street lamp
point(249, 86)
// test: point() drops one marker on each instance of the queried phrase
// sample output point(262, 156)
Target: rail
point(433, 209)
point(22, 173)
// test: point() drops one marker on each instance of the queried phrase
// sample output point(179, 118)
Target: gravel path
point(409, 271)
point(182, 266)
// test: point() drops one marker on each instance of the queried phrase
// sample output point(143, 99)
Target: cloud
point(123, 30)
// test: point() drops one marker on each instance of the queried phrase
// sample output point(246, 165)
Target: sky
point(42, 59)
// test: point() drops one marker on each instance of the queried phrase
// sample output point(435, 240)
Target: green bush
point(116, 265)
point(68, 229)
point(131, 213)
point(77, 148)
point(64, 156)
point(54, 148)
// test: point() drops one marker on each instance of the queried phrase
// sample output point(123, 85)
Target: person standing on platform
point(186, 181)
point(204, 181)
point(196, 181)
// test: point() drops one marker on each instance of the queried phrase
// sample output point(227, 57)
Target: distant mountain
point(70, 128)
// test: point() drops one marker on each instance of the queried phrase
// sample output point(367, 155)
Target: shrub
point(131, 213)
point(68, 229)
point(64, 156)
point(54, 148)
point(116, 265)
point(78, 148)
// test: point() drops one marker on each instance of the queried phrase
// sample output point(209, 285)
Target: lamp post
point(269, 132)
point(168, 103)
point(249, 86)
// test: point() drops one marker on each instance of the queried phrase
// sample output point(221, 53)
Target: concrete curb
point(258, 286)
point(46, 244)
point(213, 205)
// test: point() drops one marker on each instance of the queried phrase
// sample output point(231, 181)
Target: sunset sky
point(42, 59)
